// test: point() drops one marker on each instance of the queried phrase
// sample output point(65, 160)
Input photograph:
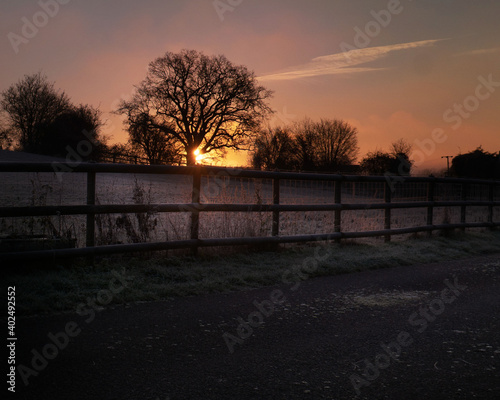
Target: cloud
point(344, 63)
point(479, 52)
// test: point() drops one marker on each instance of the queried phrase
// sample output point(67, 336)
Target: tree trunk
point(190, 157)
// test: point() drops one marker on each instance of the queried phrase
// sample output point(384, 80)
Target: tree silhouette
point(476, 164)
point(275, 148)
point(326, 145)
point(379, 163)
point(203, 103)
point(306, 152)
point(154, 143)
point(74, 130)
point(30, 105)
point(396, 162)
point(336, 143)
point(401, 147)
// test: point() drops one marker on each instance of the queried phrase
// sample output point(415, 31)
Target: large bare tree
point(205, 103)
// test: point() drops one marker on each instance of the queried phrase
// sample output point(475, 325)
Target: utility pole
point(448, 163)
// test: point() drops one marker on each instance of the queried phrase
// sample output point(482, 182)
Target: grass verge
point(64, 288)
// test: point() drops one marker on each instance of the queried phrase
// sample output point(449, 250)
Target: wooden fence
point(277, 208)
point(115, 157)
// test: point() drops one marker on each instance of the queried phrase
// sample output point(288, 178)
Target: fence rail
point(276, 208)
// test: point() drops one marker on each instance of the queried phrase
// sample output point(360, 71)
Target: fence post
point(387, 199)
point(195, 213)
point(463, 208)
point(338, 200)
point(90, 225)
point(430, 209)
point(491, 198)
point(276, 201)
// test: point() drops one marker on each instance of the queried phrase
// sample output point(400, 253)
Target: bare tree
point(401, 150)
point(337, 143)
point(204, 103)
point(396, 161)
point(305, 136)
point(401, 147)
point(327, 144)
point(31, 104)
point(275, 148)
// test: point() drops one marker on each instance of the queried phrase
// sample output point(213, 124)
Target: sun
point(199, 156)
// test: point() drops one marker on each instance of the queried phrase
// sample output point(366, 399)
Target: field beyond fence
point(96, 209)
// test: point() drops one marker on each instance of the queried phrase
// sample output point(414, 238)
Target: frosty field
point(37, 189)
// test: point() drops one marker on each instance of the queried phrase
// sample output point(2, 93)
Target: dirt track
point(318, 337)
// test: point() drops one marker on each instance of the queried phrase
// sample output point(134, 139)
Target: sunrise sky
point(424, 70)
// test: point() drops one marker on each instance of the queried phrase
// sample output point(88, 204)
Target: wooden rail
point(91, 209)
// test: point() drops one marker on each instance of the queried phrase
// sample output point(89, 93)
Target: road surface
point(417, 332)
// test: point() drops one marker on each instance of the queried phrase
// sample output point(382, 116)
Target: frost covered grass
point(42, 290)
point(25, 189)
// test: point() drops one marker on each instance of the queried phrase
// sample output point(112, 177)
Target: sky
point(427, 71)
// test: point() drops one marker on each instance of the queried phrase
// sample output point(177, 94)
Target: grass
point(41, 291)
